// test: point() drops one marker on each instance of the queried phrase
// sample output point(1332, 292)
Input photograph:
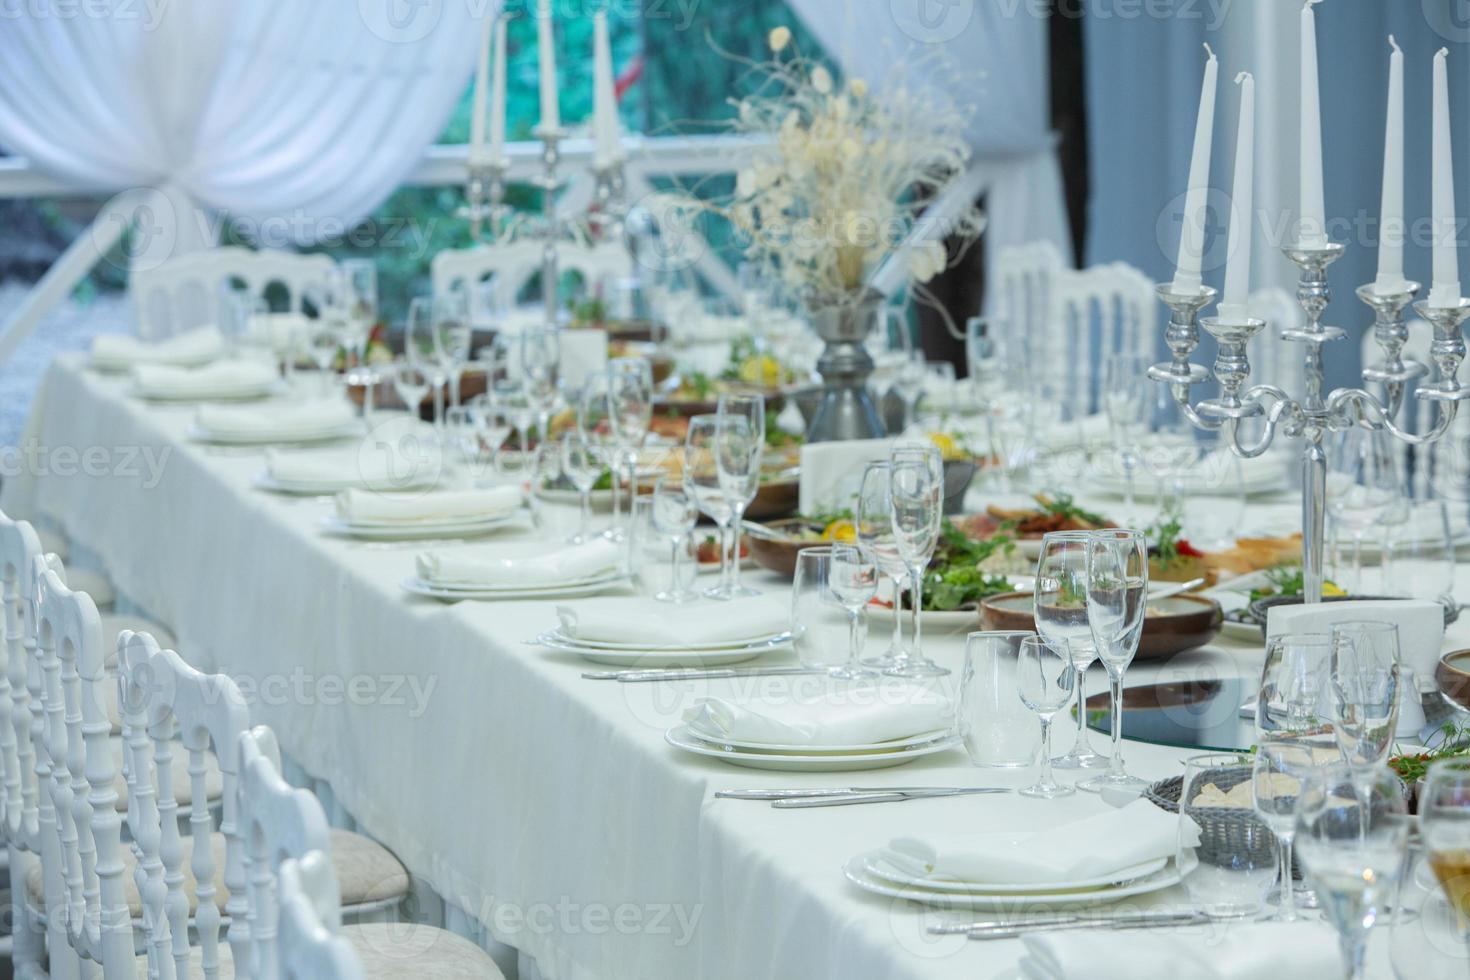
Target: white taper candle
point(477, 102)
point(1446, 289)
point(1192, 234)
point(1391, 212)
point(1313, 213)
point(1238, 266)
point(546, 56)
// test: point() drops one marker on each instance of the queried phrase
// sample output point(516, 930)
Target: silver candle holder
point(1314, 414)
point(551, 226)
point(485, 199)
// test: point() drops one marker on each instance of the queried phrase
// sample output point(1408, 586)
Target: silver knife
point(693, 673)
point(1128, 920)
point(804, 802)
point(786, 794)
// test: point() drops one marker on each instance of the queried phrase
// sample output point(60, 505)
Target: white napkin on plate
point(336, 469)
point(1420, 623)
point(221, 379)
point(554, 568)
point(281, 421)
point(1245, 951)
point(354, 505)
point(191, 347)
point(1087, 848)
point(840, 714)
point(637, 620)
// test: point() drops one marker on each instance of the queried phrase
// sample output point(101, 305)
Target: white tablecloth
point(545, 805)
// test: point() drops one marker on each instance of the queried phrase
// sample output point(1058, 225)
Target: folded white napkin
point(1420, 623)
point(1245, 951)
point(840, 714)
point(191, 347)
point(356, 505)
point(636, 620)
point(221, 379)
point(335, 469)
point(553, 568)
point(296, 420)
point(1087, 848)
point(832, 472)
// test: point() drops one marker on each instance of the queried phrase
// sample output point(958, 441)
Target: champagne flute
point(1363, 486)
point(1352, 829)
point(630, 408)
point(1044, 680)
point(1444, 814)
point(360, 284)
point(452, 338)
point(702, 480)
point(411, 383)
point(740, 465)
point(492, 425)
point(540, 352)
point(421, 350)
point(580, 464)
point(1281, 765)
point(674, 513)
point(1126, 400)
point(916, 491)
point(875, 533)
point(854, 579)
point(595, 418)
point(1117, 595)
point(1060, 604)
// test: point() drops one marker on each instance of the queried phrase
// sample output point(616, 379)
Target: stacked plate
point(655, 655)
point(576, 570)
point(584, 586)
point(220, 381)
point(415, 530)
point(874, 872)
point(297, 423)
point(810, 758)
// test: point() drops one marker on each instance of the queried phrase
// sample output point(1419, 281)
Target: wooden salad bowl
point(1179, 623)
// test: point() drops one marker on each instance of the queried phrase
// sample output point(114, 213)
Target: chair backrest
point(494, 275)
point(310, 920)
point(193, 289)
point(90, 910)
point(1021, 294)
point(19, 548)
point(1096, 312)
point(162, 697)
point(277, 822)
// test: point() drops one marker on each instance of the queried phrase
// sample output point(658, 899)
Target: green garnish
point(954, 578)
point(1062, 506)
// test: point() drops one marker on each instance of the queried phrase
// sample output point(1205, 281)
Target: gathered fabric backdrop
point(308, 112)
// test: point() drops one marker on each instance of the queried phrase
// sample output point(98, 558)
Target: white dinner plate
point(681, 737)
point(345, 431)
point(879, 866)
point(264, 481)
point(411, 530)
point(240, 393)
point(629, 656)
point(893, 744)
point(771, 641)
point(858, 874)
point(418, 586)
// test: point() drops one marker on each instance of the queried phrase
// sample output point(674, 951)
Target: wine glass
point(323, 341)
point(493, 425)
point(359, 285)
point(1363, 486)
point(1125, 397)
point(1281, 765)
point(452, 338)
point(420, 349)
point(674, 513)
point(581, 466)
point(1117, 595)
point(1364, 687)
point(1419, 558)
point(1293, 692)
point(916, 491)
point(540, 353)
point(1045, 678)
point(702, 479)
point(740, 464)
point(1444, 815)
point(1170, 451)
point(1226, 872)
point(985, 359)
point(1352, 829)
point(411, 383)
point(1060, 602)
point(854, 580)
point(630, 409)
point(875, 534)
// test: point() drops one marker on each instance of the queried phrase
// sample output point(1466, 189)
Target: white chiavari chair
point(494, 275)
point(191, 290)
point(1025, 276)
point(1098, 311)
point(310, 923)
point(279, 823)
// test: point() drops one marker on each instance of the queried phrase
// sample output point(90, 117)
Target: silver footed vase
point(846, 410)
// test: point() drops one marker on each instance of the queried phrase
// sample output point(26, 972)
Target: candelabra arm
point(1181, 398)
point(1273, 416)
point(1376, 415)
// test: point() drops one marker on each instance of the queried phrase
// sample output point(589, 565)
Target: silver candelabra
point(485, 199)
point(1315, 414)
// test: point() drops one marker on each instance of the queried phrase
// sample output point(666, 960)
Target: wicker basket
point(1223, 831)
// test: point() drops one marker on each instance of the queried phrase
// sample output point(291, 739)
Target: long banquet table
point(546, 806)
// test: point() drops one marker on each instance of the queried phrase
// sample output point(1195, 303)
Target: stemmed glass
point(742, 440)
point(1172, 449)
point(1044, 680)
point(1125, 398)
point(875, 535)
point(580, 464)
point(702, 480)
point(492, 425)
point(630, 409)
point(360, 286)
point(1117, 595)
point(1364, 683)
point(1293, 693)
point(674, 513)
point(411, 383)
point(1352, 829)
point(540, 352)
point(1281, 765)
point(916, 492)
point(854, 580)
point(421, 350)
point(1444, 814)
point(985, 360)
point(1363, 486)
point(452, 337)
point(323, 341)
point(1060, 603)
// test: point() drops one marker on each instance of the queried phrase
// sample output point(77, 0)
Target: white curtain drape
point(307, 114)
point(985, 57)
